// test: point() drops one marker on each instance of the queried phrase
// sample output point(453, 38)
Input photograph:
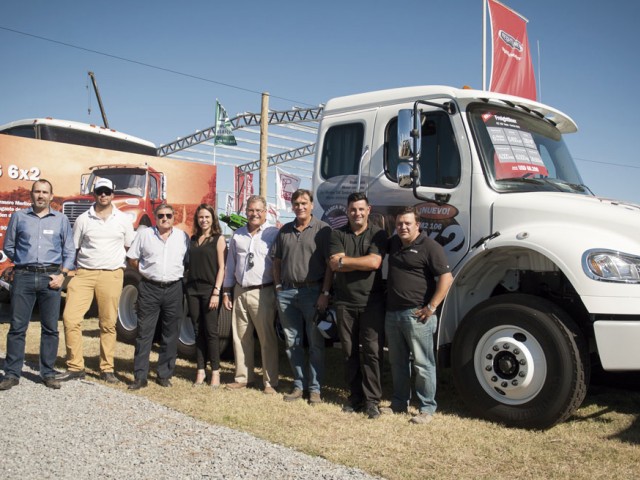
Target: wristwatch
point(340, 263)
point(326, 293)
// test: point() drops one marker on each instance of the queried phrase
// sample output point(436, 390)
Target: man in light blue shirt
point(249, 274)
point(39, 242)
point(159, 254)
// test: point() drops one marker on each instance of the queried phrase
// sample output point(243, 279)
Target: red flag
point(244, 188)
point(511, 66)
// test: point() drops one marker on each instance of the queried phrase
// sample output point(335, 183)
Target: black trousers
point(205, 326)
point(154, 303)
point(362, 326)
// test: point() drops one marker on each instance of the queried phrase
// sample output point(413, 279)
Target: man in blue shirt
point(39, 242)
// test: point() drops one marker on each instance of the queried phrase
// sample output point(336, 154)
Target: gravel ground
point(87, 430)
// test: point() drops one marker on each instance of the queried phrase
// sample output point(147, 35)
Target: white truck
point(547, 275)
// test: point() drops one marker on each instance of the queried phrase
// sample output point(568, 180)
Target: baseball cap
point(103, 183)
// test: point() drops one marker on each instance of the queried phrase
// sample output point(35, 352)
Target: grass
point(602, 440)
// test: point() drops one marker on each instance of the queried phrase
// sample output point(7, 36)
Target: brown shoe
point(296, 394)
point(422, 418)
point(314, 398)
point(235, 385)
point(269, 390)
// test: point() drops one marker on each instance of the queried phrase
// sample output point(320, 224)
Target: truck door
point(344, 154)
point(445, 178)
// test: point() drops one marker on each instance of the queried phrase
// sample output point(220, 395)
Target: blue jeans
point(407, 336)
point(28, 287)
point(297, 308)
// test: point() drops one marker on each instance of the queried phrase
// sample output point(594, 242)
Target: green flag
point(224, 133)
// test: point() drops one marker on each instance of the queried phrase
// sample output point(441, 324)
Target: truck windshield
point(127, 181)
point(521, 152)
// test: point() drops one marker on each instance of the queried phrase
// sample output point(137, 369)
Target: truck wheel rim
point(510, 365)
point(126, 308)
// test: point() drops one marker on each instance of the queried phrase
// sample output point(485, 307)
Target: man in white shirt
point(101, 235)
point(159, 255)
point(249, 274)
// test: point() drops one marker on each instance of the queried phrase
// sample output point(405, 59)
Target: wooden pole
point(264, 139)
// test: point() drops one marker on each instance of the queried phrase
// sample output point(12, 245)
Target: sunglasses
point(104, 191)
point(163, 215)
point(250, 260)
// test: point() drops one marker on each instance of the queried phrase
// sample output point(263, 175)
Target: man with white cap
point(102, 236)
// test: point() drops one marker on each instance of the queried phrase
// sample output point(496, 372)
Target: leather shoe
point(70, 375)
point(372, 411)
point(109, 377)
point(269, 390)
point(8, 383)
point(349, 408)
point(51, 382)
point(163, 382)
point(296, 394)
point(314, 398)
point(235, 385)
point(137, 384)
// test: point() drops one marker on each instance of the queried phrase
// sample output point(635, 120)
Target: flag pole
point(484, 44)
point(215, 133)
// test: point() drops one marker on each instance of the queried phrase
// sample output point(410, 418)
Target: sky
point(161, 65)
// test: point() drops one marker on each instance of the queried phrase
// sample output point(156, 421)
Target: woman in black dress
point(204, 285)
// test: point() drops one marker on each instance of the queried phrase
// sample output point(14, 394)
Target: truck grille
point(73, 210)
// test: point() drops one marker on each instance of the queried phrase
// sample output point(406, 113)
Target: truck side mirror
point(84, 183)
point(405, 174)
point(408, 130)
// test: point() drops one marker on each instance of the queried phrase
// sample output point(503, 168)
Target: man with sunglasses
point(249, 273)
point(159, 253)
point(102, 236)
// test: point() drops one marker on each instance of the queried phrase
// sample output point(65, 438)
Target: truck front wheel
point(521, 361)
point(127, 325)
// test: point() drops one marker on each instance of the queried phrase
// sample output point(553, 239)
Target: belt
point(258, 287)
point(39, 268)
point(287, 285)
point(160, 284)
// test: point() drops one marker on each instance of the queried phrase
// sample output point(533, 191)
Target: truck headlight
point(611, 266)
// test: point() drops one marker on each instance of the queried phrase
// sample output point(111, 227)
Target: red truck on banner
point(77, 154)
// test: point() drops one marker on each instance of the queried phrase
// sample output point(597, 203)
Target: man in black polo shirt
point(356, 252)
point(418, 280)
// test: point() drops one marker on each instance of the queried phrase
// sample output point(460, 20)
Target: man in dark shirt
point(418, 281)
point(39, 242)
point(303, 281)
point(356, 252)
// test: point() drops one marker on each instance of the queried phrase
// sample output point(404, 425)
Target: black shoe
point(8, 383)
point(138, 384)
point(349, 408)
point(109, 377)
point(372, 411)
point(70, 375)
point(51, 382)
point(163, 382)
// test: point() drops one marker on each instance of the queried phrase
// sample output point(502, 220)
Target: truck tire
point(127, 326)
point(187, 335)
point(224, 331)
point(521, 361)
point(187, 339)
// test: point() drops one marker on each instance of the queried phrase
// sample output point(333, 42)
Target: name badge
point(48, 232)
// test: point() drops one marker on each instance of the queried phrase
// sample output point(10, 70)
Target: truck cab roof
point(338, 105)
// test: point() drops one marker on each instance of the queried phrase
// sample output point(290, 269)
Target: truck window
point(341, 150)
point(90, 139)
point(26, 131)
point(440, 158)
point(521, 152)
point(153, 187)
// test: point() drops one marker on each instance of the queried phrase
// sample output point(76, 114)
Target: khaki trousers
point(106, 285)
point(255, 310)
